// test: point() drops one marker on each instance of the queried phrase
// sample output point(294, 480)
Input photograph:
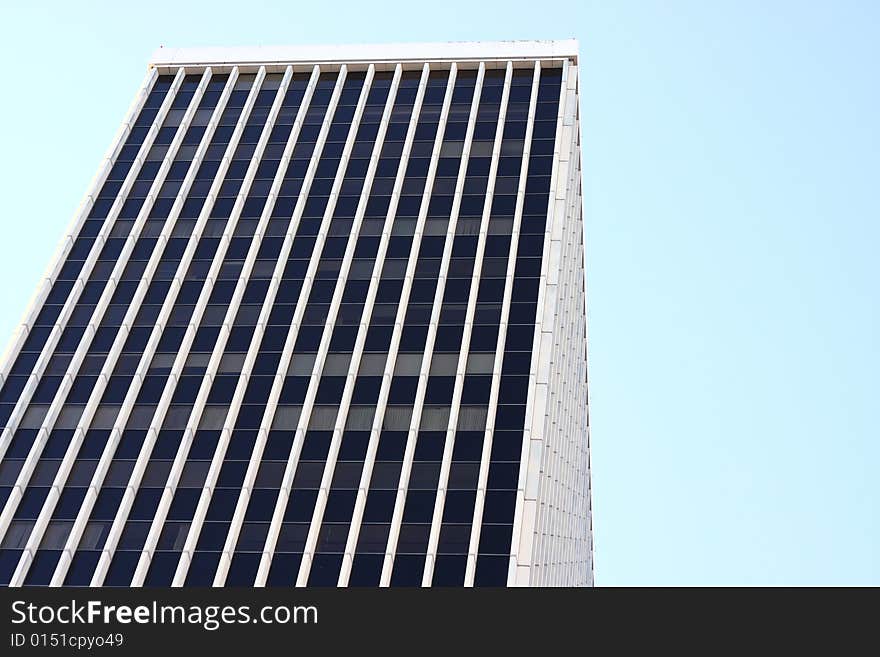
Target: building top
point(367, 53)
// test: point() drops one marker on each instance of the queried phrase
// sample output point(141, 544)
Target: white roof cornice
point(392, 52)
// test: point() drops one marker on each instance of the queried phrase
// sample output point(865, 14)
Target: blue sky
point(731, 170)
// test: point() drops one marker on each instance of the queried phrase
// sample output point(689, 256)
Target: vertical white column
point(527, 509)
point(165, 400)
point(573, 412)
point(85, 341)
point(560, 546)
point(555, 545)
point(550, 484)
point(461, 367)
point(415, 421)
point(483, 477)
point(13, 348)
point(94, 489)
point(550, 531)
point(121, 336)
point(217, 462)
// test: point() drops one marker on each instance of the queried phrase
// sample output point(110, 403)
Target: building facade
point(320, 321)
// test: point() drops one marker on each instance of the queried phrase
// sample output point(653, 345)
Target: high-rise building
point(319, 321)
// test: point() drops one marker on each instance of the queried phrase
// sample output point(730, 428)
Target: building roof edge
point(388, 52)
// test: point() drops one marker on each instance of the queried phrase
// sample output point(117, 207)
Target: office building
point(320, 321)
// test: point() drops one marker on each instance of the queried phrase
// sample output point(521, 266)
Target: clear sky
point(731, 184)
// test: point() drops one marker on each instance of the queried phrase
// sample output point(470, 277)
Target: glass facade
point(294, 338)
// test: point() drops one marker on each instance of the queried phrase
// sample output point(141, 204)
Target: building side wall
point(552, 541)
